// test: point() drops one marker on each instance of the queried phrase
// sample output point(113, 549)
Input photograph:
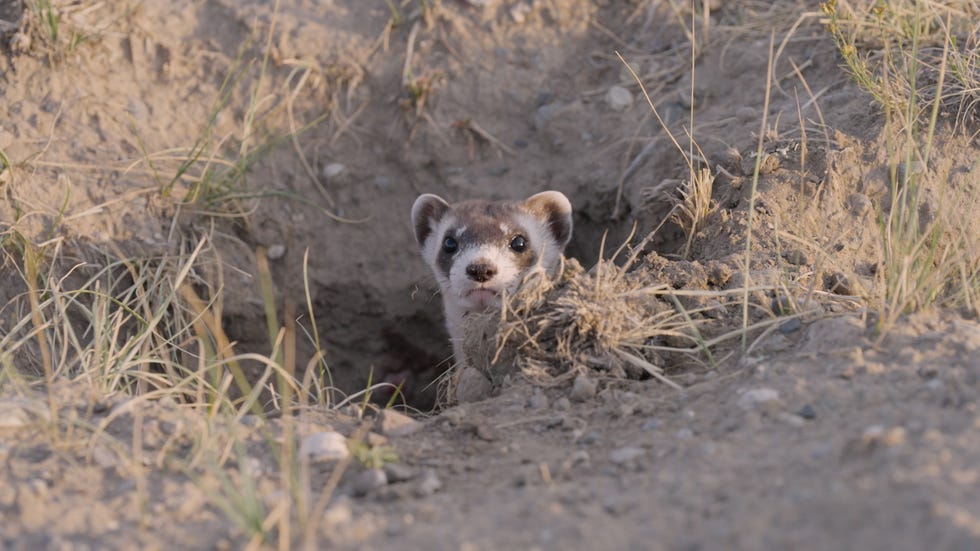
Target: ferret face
point(478, 249)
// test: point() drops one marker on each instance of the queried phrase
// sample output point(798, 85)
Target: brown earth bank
point(223, 142)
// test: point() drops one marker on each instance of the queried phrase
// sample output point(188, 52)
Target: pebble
point(768, 165)
point(333, 170)
point(454, 416)
point(685, 434)
point(544, 114)
point(626, 454)
point(619, 98)
point(399, 473)
point(563, 404)
point(16, 413)
point(275, 252)
point(368, 481)
point(650, 424)
point(790, 326)
point(746, 114)
point(393, 423)
point(429, 483)
point(839, 284)
point(858, 204)
point(538, 401)
point(579, 457)
point(103, 457)
point(878, 434)
point(13, 417)
point(519, 12)
point(324, 446)
point(795, 257)
point(338, 514)
point(807, 412)
point(472, 386)
point(752, 398)
point(583, 388)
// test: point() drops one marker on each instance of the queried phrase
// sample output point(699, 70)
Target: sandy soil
point(822, 436)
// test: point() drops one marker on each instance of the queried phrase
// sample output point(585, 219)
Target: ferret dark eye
point(449, 245)
point(518, 244)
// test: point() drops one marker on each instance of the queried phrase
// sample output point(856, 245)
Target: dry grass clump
point(912, 52)
point(55, 29)
point(138, 335)
point(693, 205)
point(607, 319)
point(919, 60)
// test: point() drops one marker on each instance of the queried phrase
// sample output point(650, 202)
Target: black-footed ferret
point(479, 249)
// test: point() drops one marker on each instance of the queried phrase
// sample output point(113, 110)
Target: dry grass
point(918, 59)
point(912, 53)
point(140, 332)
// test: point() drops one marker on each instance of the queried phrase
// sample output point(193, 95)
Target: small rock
point(368, 481)
point(103, 457)
point(13, 417)
point(429, 483)
point(755, 397)
point(838, 283)
point(275, 252)
point(578, 457)
point(877, 434)
point(374, 439)
point(619, 98)
point(768, 164)
point(519, 11)
point(858, 204)
point(685, 434)
point(583, 388)
point(18, 413)
point(718, 273)
point(782, 305)
point(795, 257)
point(454, 416)
point(338, 514)
point(626, 454)
point(395, 424)
point(486, 431)
point(650, 424)
point(562, 404)
point(324, 446)
point(807, 412)
point(472, 386)
point(333, 170)
point(544, 114)
point(790, 326)
point(746, 114)
point(398, 473)
point(928, 371)
point(538, 401)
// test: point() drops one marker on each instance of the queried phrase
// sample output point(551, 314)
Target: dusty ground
point(821, 436)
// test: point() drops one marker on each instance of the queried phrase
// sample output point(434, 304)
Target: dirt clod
point(396, 424)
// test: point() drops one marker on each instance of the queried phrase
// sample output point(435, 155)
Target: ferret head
point(478, 249)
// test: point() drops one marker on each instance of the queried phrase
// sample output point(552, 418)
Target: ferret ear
point(555, 209)
point(427, 211)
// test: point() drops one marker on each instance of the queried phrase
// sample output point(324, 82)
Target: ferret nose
point(480, 271)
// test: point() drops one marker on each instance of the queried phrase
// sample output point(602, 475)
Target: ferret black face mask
point(479, 249)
